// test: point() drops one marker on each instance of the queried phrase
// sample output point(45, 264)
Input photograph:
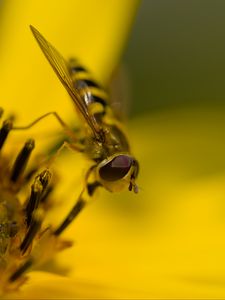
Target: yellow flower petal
point(43, 285)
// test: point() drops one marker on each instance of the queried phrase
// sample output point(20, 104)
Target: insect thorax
point(114, 142)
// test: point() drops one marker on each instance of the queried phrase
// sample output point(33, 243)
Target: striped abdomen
point(90, 90)
point(95, 97)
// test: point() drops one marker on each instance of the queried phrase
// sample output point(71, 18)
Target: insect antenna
point(63, 124)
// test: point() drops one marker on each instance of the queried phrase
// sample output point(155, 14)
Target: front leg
point(85, 197)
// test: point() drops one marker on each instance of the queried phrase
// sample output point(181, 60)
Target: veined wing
point(119, 91)
point(59, 65)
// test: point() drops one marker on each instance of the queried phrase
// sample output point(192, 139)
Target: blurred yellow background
point(176, 58)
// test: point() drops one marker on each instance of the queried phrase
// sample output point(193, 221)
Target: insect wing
point(59, 65)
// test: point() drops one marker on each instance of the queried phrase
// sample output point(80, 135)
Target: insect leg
point(66, 128)
point(83, 199)
point(65, 144)
point(75, 145)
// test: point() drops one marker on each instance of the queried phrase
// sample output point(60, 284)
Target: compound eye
point(116, 169)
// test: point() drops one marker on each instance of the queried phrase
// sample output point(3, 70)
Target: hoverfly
point(104, 143)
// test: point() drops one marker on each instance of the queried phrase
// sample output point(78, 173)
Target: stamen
point(45, 195)
point(37, 191)
point(20, 271)
point(45, 177)
point(33, 229)
point(4, 131)
point(26, 240)
point(21, 160)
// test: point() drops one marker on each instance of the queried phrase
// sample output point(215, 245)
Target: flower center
point(25, 198)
